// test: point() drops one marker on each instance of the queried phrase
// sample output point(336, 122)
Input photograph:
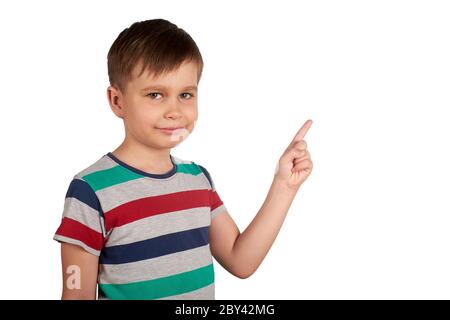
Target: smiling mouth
point(170, 128)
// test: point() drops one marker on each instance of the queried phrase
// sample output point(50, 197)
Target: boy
point(143, 224)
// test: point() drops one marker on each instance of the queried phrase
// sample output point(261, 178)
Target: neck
point(145, 158)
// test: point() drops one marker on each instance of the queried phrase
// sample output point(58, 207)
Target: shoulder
point(83, 181)
point(199, 169)
point(103, 163)
point(80, 187)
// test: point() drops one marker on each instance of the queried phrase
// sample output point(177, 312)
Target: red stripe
point(75, 230)
point(215, 200)
point(150, 206)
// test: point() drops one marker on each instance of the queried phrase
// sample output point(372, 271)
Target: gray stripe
point(179, 160)
point(218, 210)
point(161, 224)
point(101, 164)
point(154, 268)
point(210, 179)
point(60, 238)
point(205, 293)
point(121, 193)
point(84, 214)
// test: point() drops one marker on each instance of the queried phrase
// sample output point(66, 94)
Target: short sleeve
point(216, 204)
point(82, 220)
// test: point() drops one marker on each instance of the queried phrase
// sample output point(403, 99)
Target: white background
point(371, 221)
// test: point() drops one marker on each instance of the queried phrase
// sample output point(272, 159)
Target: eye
point(188, 94)
point(152, 93)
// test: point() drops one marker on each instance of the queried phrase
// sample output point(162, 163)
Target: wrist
point(283, 186)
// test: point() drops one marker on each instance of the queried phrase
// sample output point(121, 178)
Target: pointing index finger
point(303, 130)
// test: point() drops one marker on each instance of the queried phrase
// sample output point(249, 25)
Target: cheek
point(145, 115)
point(192, 114)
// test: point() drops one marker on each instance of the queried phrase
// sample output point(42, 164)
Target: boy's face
point(149, 104)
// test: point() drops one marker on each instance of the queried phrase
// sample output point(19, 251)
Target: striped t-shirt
point(150, 231)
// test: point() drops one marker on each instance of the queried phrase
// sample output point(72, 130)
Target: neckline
point(168, 174)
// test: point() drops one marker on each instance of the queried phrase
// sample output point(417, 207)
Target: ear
point(115, 99)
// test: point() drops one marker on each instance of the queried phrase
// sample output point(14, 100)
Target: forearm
point(253, 244)
point(79, 273)
point(74, 295)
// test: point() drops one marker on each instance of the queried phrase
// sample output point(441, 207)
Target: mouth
point(170, 129)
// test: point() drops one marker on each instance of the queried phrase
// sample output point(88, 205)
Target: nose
point(173, 109)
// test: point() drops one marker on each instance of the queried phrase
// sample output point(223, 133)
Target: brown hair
point(158, 43)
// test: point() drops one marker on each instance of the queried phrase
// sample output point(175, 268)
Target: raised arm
point(80, 270)
point(241, 254)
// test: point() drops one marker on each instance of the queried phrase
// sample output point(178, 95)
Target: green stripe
point(106, 178)
point(109, 177)
point(189, 168)
point(161, 287)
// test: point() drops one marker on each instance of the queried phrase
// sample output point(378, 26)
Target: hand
point(295, 164)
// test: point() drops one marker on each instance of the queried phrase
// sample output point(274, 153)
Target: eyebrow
point(158, 87)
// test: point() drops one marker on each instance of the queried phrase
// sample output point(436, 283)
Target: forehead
point(183, 76)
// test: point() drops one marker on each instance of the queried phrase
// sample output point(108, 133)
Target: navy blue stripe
point(155, 247)
point(82, 191)
point(206, 173)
